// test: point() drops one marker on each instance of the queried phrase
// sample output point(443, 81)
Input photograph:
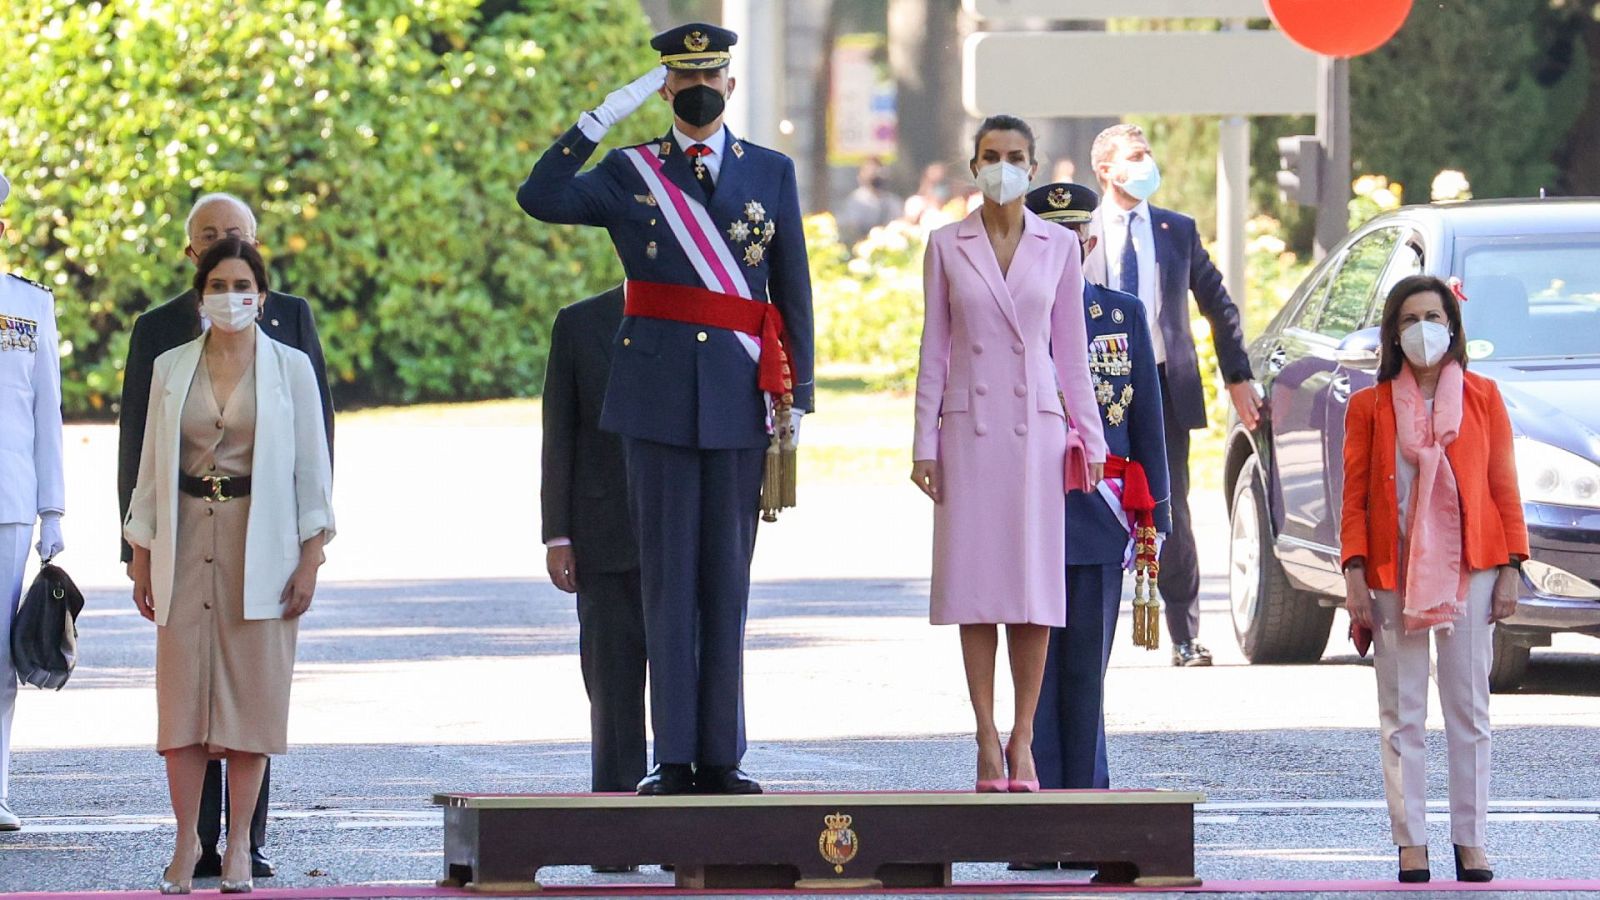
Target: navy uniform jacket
point(671, 382)
point(1094, 536)
point(1185, 266)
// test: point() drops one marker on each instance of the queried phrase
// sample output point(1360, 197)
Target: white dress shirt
point(1114, 231)
point(718, 143)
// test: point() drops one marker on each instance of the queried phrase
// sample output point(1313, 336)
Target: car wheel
point(1273, 621)
point(1510, 665)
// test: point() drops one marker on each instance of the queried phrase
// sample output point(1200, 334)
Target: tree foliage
point(380, 142)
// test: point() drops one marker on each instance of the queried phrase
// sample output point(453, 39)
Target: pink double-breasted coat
point(990, 411)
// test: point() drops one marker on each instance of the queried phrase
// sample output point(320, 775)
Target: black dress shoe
point(668, 778)
point(724, 780)
point(209, 865)
point(1033, 866)
point(1416, 876)
point(1190, 653)
point(613, 870)
point(260, 865)
point(1465, 874)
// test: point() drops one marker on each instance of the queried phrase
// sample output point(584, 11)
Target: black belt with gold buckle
point(219, 488)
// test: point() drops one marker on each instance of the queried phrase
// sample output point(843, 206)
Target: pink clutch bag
point(1077, 461)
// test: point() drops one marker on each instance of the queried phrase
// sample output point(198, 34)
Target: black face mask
point(699, 105)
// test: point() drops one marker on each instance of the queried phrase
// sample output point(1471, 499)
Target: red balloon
point(1340, 27)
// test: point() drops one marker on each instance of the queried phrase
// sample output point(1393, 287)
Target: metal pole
point(756, 106)
point(1233, 194)
point(1333, 132)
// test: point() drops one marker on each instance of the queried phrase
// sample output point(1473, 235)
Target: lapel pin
point(1116, 316)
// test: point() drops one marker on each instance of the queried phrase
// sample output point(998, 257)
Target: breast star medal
point(1115, 413)
point(1127, 395)
point(738, 232)
point(753, 253)
point(755, 212)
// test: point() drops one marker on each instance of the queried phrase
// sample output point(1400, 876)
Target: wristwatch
point(1515, 563)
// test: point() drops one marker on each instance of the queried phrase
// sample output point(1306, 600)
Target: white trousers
point(13, 556)
point(1401, 660)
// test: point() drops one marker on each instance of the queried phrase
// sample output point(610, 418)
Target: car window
point(1406, 261)
point(1531, 295)
point(1350, 294)
point(1306, 316)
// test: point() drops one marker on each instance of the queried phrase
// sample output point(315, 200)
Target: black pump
point(1413, 876)
point(1465, 874)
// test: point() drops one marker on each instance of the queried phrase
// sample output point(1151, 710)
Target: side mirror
point(1359, 350)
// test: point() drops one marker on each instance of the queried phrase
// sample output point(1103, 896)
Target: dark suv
point(1531, 272)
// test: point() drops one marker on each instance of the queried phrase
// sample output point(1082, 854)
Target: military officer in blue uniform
point(714, 354)
point(31, 482)
point(1069, 744)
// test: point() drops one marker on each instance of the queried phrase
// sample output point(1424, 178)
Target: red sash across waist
point(1136, 499)
point(699, 306)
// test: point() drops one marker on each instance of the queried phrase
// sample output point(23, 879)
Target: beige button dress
point(221, 680)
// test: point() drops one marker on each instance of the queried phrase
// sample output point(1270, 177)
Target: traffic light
point(1300, 161)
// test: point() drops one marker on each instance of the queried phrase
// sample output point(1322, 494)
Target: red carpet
point(372, 892)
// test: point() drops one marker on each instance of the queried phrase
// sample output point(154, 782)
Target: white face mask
point(1141, 178)
point(232, 311)
point(1425, 343)
point(1003, 182)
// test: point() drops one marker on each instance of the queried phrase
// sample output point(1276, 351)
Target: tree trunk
point(925, 57)
point(1580, 158)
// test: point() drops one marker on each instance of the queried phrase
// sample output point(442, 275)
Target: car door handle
point(1277, 359)
point(1341, 388)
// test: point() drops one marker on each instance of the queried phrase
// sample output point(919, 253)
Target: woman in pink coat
point(1003, 289)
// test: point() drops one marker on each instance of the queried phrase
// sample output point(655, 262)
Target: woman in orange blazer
point(1432, 536)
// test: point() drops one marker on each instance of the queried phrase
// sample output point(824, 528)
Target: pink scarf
point(1433, 580)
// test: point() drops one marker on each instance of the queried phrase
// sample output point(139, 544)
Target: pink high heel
point(1018, 785)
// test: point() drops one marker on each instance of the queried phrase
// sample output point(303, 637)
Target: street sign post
point(1057, 10)
point(1229, 73)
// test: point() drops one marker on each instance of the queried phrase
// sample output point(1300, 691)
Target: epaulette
point(36, 284)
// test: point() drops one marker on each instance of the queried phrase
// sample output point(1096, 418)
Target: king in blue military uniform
point(1069, 743)
point(713, 356)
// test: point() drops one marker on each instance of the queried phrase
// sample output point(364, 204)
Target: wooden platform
point(499, 842)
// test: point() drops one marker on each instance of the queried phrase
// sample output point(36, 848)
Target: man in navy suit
point(1155, 255)
point(716, 333)
point(1069, 730)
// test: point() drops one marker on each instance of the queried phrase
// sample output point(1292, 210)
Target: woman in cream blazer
point(228, 520)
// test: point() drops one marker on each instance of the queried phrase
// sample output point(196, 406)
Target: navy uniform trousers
point(684, 398)
point(1069, 729)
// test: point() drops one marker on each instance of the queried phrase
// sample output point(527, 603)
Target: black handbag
point(44, 632)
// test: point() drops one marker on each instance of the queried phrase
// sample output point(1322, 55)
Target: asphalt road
point(437, 658)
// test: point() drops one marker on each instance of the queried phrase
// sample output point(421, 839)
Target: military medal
point(755, 212)
point(1115, 414)
point(1094, 311)
point(1102, 391)
point(753, 254)
point(650, 250)
point(1116, 316)
point(738, 232)
point(1127, 395)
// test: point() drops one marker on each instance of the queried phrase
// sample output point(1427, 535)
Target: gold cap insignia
point(1060, 199)
point(696, 42)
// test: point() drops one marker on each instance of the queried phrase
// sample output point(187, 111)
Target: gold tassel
point(1146, 601)
point(772, 482)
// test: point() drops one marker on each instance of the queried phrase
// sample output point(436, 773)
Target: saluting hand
point(925, 475)
point(620, 103)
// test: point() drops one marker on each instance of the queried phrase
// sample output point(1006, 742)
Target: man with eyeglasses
point(285, 318)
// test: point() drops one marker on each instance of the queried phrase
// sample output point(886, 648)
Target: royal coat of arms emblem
point(838, 843)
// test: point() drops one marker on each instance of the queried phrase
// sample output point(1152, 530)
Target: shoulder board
point(30, 281)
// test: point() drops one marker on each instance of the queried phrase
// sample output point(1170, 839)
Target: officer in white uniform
point(31, 484)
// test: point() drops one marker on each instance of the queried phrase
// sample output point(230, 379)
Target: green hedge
point(381, 143)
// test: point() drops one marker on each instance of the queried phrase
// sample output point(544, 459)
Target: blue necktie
point(1128, 276)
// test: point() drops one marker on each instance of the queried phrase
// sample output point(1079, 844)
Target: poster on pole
point(861, 108)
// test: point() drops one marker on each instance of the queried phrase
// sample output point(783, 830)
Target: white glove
point(620, 103)
point(795, 415)
point(50, 542)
